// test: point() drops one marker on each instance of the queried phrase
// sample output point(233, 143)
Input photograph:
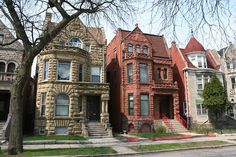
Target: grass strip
point(54, 137)
point(156, 134)
point(168, 146)
point(69, 151)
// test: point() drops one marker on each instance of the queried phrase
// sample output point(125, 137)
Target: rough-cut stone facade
point(162, 93)
point(59, 50)
point(226, 58)
point(10, 58)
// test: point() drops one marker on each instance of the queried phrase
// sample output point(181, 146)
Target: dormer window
point(130, 48)
point(1, 38)
point(76, 42)
point(145, 49)
point(137, 49)
point(198, 60)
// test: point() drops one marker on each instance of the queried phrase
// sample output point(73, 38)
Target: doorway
point(4, 105)
point(93, 108)
point(166, 106)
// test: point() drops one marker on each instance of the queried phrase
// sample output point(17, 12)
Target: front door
point(4, 105)
point(93, 110)
point(166, 106)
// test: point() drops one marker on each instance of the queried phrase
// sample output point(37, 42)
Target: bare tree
point(211, 17)
point(25, 16)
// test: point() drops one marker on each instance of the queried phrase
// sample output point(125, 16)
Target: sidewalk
point(120, 146)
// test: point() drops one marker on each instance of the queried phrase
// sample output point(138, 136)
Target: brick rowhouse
point(139, 70)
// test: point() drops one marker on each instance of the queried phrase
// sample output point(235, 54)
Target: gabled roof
point(8, 37)
point(158, 43)
point(193, 45)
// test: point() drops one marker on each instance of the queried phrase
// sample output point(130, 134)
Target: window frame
point(130, 48)
point(141, 101)
point(58, 63)
point(91, 76)
point(1, 38)
point(72, 43)
point(64, 105)
point(138, 48)
point(130, 104)
point(233, 85)
point(45, 69)
point(130, 73)
point(203, 81)
point(165, 73)
point(81, 72)
point(142, 73)
point(145, 49)
point(201, 110)
point(43, 104)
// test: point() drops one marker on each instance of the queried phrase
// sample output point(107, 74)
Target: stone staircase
point(175, 126)
point(1, 130)
point(96, 130)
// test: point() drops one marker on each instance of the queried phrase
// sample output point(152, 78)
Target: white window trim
point(201, 108)
point(41, 102)
point(100, 73)
point(70, 71)
point(44, 63)
point(69, 105)
point(202, 81)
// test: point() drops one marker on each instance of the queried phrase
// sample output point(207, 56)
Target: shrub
point(161, 129)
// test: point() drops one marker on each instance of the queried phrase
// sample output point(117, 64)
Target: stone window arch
point(62, 105)
point(130, 48)
point(2, 66)
point(11, 67)
point(145, 49)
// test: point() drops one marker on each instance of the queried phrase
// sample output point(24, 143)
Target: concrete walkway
point(122, 146)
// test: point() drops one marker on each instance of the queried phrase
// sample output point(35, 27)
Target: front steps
point(175, 126)
point(1, 130)
point(96, 130)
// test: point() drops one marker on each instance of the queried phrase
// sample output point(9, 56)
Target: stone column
point(104, 116)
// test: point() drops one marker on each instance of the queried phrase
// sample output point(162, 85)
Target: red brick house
point(139, 70)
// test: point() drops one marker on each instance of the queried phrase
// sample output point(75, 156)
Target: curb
point(55, 142)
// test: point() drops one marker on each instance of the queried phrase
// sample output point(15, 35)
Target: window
point(80, 72)
point(233, 82)
point(199, 61)
point(95, 74)
point(202, 80)
point(61, 131)
point(2, 67)
point(80, 103)
point(159, 73)
point(1, 38)
point(63, 70)
point(165, 73)
point(45, 74)
point(131, 104)
point(114, 53)
point(62, 105)
point(145, 49)
point(144, 104)
point(130, 73)
point(137, 49)
point(201, 110)
point(130, 48)
point(75, 42)
point(43, 104)
point(143, 73)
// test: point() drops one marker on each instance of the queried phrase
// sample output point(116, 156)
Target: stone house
point(10, 58)
point(193, 67)
point(72, 91)
point(226, 58)
point(139, 70)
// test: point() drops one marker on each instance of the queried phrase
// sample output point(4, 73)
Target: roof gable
point(193, 45)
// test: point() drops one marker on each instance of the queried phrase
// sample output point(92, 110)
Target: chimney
point(47, 19)
point(173, 44)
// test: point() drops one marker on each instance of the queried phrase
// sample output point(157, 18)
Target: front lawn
point(156, 134)
point(53, 137)
point(69, 151)
point(168, 146)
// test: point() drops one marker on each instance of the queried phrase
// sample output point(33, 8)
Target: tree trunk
point(15, 145)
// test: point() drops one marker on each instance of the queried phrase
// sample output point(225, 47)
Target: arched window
point(145, 49)
point(137, 48)
point(62, 105)
point(2, 66)
point(11, 67)
point(76, 42)
point(130, 48)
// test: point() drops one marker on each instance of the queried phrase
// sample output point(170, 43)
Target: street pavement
point(122, 146)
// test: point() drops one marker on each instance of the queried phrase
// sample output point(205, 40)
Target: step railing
point(167, 122)
point(182, 120)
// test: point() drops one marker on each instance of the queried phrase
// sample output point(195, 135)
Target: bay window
point(143, 73)
point(62, 105)
point(130, 73)
point(144, 104)
point(63, 70)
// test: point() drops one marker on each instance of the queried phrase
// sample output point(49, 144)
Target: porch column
point(104, 109)
point(176, 104)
